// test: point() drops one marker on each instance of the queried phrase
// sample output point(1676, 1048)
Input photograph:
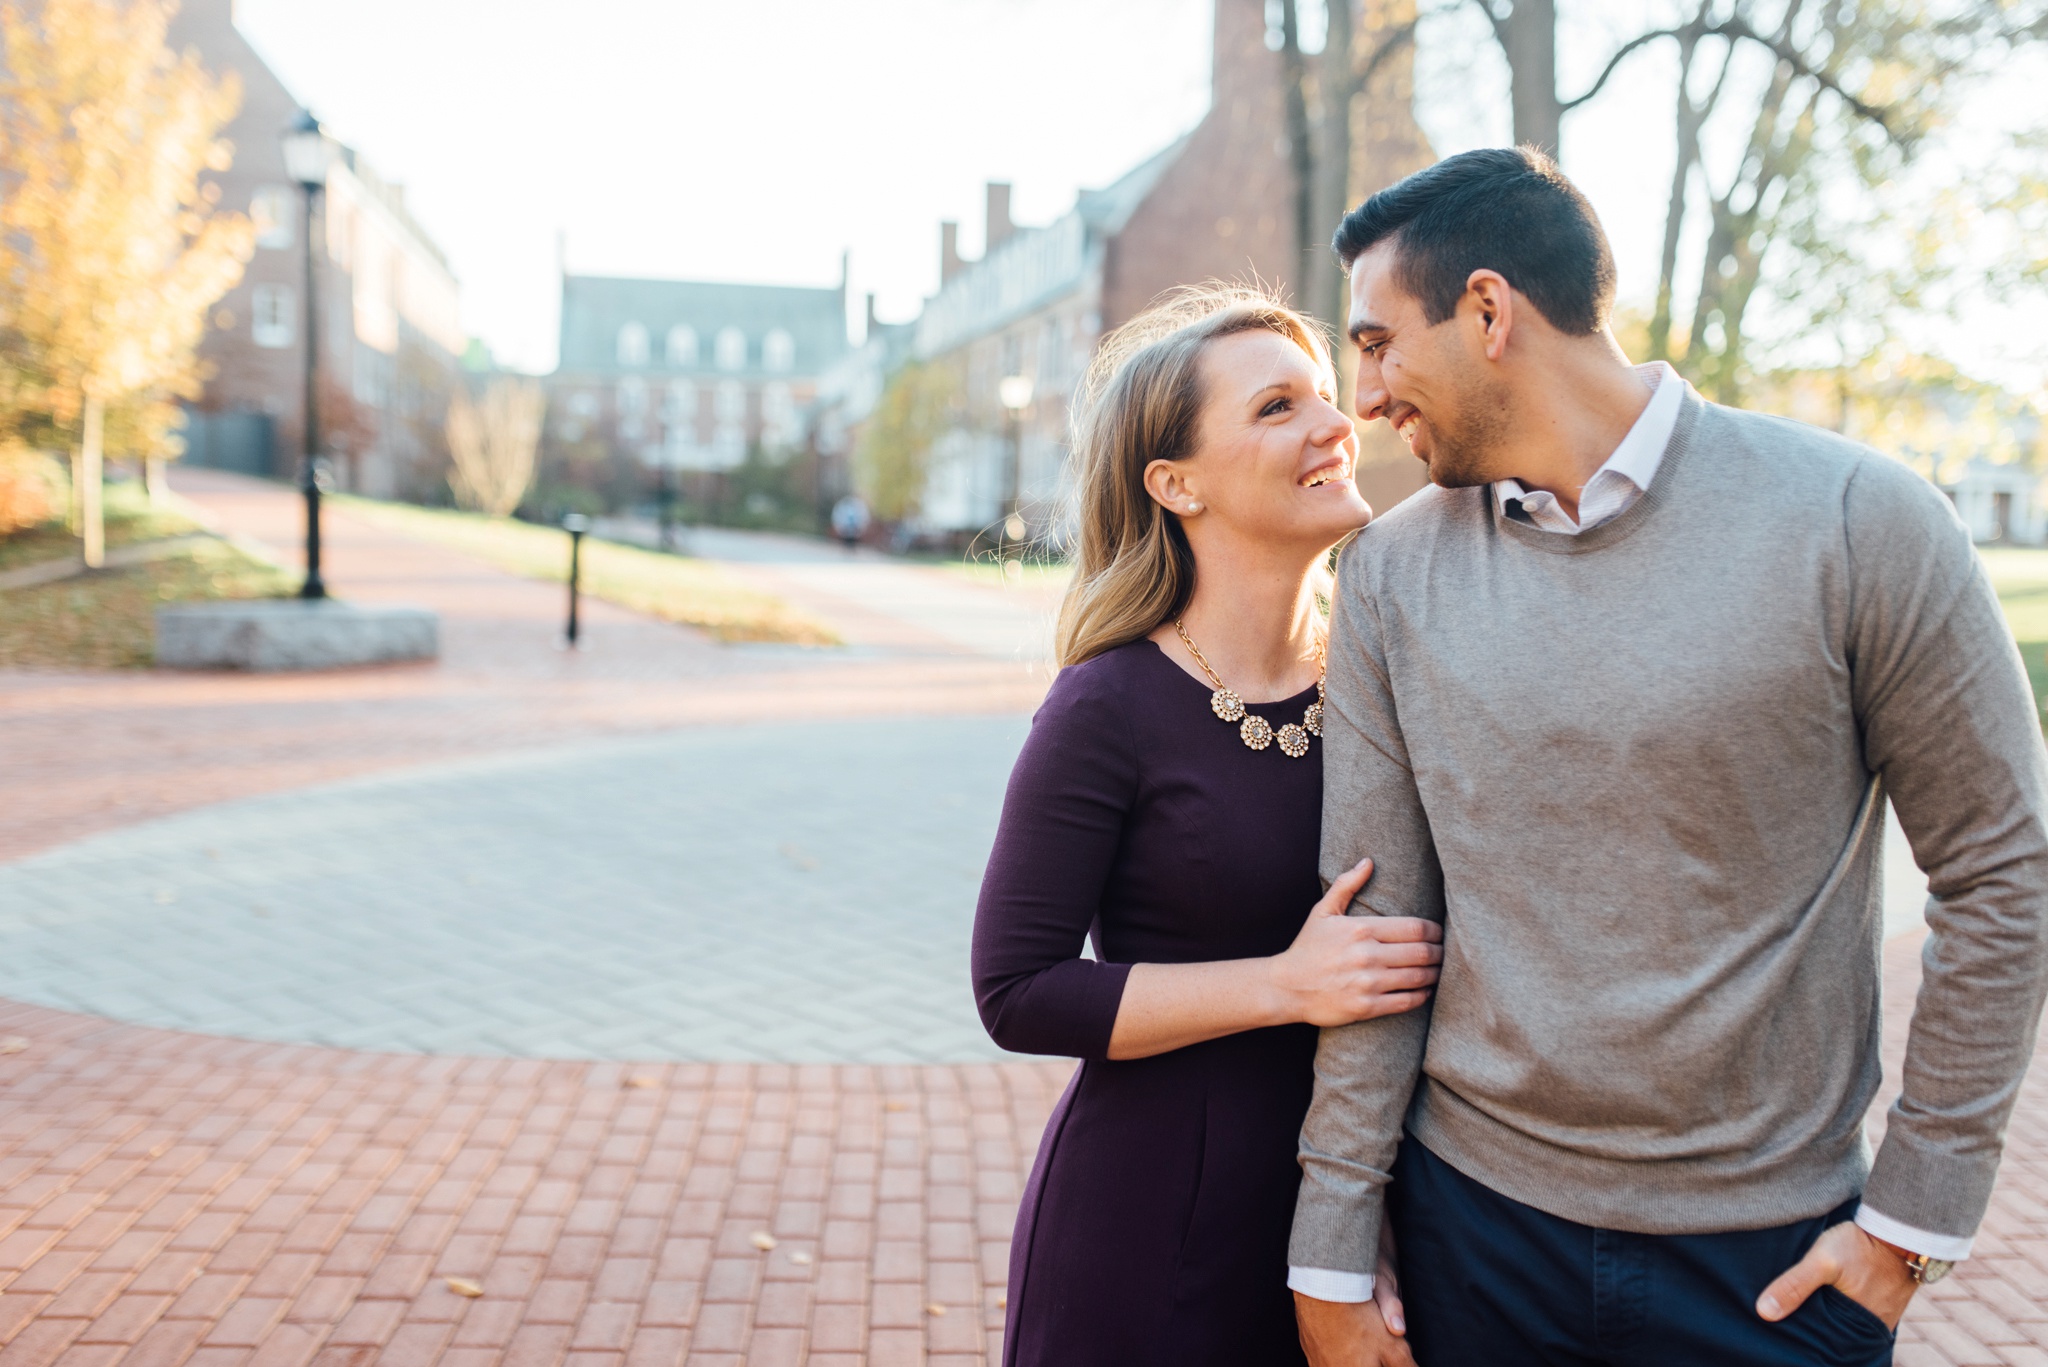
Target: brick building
point(1217, 204)
point(390, 328)
point(685, 375)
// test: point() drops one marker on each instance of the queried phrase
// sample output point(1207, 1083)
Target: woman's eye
point(1277, 406)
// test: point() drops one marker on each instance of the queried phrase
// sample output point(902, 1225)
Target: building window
point(271, 313)
point(682, 346)
point(732, 402)
point(778, 351)
point(272, 209)
point(633, 344)
point(680, 405)
point(732, 349)
point(778, 414)
point(632, 402)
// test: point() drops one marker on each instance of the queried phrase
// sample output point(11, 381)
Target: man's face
point(1429, 381)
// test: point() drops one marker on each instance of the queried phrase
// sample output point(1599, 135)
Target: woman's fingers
point(1344, 887)
point(1390, 930)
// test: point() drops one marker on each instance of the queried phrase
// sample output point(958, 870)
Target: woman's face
point(1275, 455)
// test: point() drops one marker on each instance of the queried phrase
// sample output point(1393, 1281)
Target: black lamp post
point(305, 161)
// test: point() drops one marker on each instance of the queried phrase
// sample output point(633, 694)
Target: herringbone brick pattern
point(173, 1199)
point(169, 1198)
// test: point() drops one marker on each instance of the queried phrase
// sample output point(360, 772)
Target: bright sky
point(736, 141)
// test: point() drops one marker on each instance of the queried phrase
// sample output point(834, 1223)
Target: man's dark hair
point(1506, 209)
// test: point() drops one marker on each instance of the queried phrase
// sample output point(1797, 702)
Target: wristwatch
point(1926, 1271)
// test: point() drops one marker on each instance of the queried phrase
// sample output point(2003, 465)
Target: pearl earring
point(1194, 507)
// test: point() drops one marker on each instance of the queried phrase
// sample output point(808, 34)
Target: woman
point(1163, 807)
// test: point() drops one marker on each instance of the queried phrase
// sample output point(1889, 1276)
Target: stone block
point(293, 633)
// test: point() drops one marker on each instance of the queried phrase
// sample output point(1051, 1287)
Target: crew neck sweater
point(1639, 773)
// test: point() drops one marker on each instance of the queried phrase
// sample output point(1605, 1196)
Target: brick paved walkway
point(719, 894)
point(100, 751)
point(169, 1198)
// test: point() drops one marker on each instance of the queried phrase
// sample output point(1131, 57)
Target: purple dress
point(1154, 1225)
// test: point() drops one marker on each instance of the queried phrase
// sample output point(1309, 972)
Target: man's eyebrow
point(1363, 326)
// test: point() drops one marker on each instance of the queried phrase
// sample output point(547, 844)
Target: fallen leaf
point(642, 1080)
point(12, 1044)
point(1002, 1302)
point(463, 1286)
point(800, 1258)
point(763, 1240)
point(896, 1106)
point(935, 1309)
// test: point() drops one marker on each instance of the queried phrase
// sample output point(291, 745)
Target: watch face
point(1933, 1270)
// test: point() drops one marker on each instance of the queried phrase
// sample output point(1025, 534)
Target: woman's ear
point(1166, 482)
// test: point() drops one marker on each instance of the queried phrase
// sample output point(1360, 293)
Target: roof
point(595, 308)
point(1107, 210)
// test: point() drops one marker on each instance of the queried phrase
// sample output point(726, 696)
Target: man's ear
point(1490, 302)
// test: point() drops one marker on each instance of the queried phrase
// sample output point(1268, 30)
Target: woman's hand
point(1342, 968)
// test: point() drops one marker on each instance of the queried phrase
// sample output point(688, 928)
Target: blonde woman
point(1168, 805)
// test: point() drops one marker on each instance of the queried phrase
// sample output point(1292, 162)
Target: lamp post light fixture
point(1015, 393)
point(307, 153)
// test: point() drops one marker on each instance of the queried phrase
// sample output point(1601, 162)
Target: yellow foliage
point(895, 444)
point(110, 251)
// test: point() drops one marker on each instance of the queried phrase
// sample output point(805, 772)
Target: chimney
point(999, 225)
point(949, 251)
point(870, 333)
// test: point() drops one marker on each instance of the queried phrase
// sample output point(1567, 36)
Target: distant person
point(1620, 703)
point(850, 521)
point(1168, 804)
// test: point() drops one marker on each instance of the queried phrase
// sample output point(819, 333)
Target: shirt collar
point(1642, 450)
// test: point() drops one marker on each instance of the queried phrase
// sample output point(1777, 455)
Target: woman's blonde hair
point(1141, 402)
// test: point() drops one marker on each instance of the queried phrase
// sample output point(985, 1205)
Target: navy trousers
point(1490, 1282)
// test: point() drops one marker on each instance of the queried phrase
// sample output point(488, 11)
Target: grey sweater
point(1639, 773)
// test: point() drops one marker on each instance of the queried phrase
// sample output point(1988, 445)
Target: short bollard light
point(575, 524)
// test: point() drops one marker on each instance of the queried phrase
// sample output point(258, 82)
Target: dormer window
point(682, 346)
point(732, 349)
point(778, 351)
point(633, 344)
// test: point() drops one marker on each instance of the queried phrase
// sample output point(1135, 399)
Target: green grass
point(105, 619)
point(1036, 574)
point(2021, 578)
point(675, 588)
point(129, 516)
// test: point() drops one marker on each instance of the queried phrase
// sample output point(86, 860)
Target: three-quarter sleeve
point(1063, 821)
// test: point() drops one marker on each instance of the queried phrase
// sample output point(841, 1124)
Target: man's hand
point(1339, 1334)
point(1871, 1273)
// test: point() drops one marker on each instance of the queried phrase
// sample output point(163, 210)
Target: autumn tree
point(894, 449)
point(493, 443)
point(111, 248)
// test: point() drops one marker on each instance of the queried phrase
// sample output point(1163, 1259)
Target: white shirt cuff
point(1949, 1248)
point(1320, 1283)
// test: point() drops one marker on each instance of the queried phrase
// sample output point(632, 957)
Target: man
point(1621, 699)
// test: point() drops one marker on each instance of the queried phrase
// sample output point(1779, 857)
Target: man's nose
point(1372, 397)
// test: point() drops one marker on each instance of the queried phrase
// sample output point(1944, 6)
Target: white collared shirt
point(1618, 483)
point(1612, 491)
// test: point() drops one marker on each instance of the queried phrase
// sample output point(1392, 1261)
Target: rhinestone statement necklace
point(1255, 731)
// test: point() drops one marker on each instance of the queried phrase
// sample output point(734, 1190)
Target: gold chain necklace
point(1255, 731)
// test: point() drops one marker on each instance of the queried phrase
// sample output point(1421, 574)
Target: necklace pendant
point(1226, 704)
point(1293, 741)
point(1256, 732)
point(1312, 720)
